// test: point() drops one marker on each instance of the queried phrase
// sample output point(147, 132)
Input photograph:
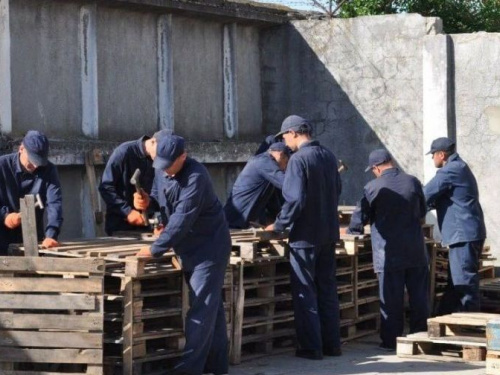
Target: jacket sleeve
point(54, 205)
point(440, 184)
point(294, 192)
point(421, 199)
point(113, 174)
point(186, 211)
point(272, 173)
point(360, 217)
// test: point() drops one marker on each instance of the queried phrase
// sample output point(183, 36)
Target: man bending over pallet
point(29, 171)
point(197, 230)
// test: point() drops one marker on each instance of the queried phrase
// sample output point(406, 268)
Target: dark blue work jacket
point(116, 189)
point(15, 184)
point(252, 190)
point(311, 190)
point(394, 205)
point(454, 194)
point(196, 227)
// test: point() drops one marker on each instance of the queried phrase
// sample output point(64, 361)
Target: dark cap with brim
point(295, 123)
point(441, 144)
point(169, 148)
point(280, 147)
point(162, 133)
point(377, 157)
point(37, 147)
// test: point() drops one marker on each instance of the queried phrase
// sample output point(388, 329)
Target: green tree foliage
point(459, 16)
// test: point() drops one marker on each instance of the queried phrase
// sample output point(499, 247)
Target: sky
point(296, 4)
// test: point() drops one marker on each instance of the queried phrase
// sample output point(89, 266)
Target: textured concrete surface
point(45, 67)
point(477, 106)
point(359, 357)
point(360, 82)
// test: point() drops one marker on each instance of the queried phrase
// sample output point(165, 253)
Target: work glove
point(145, 252)
point(50, 242)
point(135, 218)
point(157, 231)
point(12, 220)
point(141, 201)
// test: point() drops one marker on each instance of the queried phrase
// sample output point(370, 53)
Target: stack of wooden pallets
point(51, 316)
point(144, 304)
point(455, 337)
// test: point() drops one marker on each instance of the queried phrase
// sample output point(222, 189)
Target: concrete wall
point(45, 67)
point(127, 73)
point(358, 80)
point(477, 112)
point(198, 83)
point(91, 76)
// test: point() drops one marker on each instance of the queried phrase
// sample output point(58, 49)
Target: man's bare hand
point(144, 252)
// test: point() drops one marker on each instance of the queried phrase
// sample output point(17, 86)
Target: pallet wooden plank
point(46, 284)
point(51, 321)
point(86, 356)
point(52, 339)
point(36, 264)
point(47, 302)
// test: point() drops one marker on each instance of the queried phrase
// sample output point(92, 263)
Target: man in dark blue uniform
point(197, 231)
point(394, 205)
point(454, 194)
point(261, 178)
point(116, 189)
point(28, 171)
point(311, 190)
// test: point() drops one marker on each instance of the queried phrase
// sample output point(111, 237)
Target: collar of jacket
point(141, 152)
point(453, 157)
point(391, 170)
point(312, 142)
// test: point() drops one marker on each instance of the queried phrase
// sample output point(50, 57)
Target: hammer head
point(134, 180)
point(38, 202)
point(342, 166)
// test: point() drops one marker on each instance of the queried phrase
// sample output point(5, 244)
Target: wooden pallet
point(446, 349)
point(250, 244)
point(51, 316)
point(352, 329)
point(460, 324)
point(493, 362)
point(263, 313)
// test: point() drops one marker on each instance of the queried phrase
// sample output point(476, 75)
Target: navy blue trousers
point(206, 349)
point(392, 289)
point(315, 299)
point(462, 290)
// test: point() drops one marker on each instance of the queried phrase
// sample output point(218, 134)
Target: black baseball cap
point(377, 157)
point(442, 144)
point(169, 148)
point(37, 146)
point(280, 147)
point(295, 123)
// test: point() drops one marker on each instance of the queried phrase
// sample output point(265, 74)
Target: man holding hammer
point(116, 187)
point(28, 171)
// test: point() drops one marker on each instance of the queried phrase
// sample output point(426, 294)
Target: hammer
point(38, 202)
point(134, 180)
point(342, 166)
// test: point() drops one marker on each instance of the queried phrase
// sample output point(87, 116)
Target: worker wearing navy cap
point(196, 229)
point(115, 187)
point(311, 189)
point(29, 171)
point(394, 205)
point(454, 194)
point(261, 178)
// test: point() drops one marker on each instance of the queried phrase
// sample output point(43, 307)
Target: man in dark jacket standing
point(454, 194)
point(257, 183)
point(28, 171)
point(394, 205)
point(311, 189)
point(196, 229)
point(116, 189)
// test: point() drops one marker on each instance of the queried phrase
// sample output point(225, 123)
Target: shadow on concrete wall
point(296, 81)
